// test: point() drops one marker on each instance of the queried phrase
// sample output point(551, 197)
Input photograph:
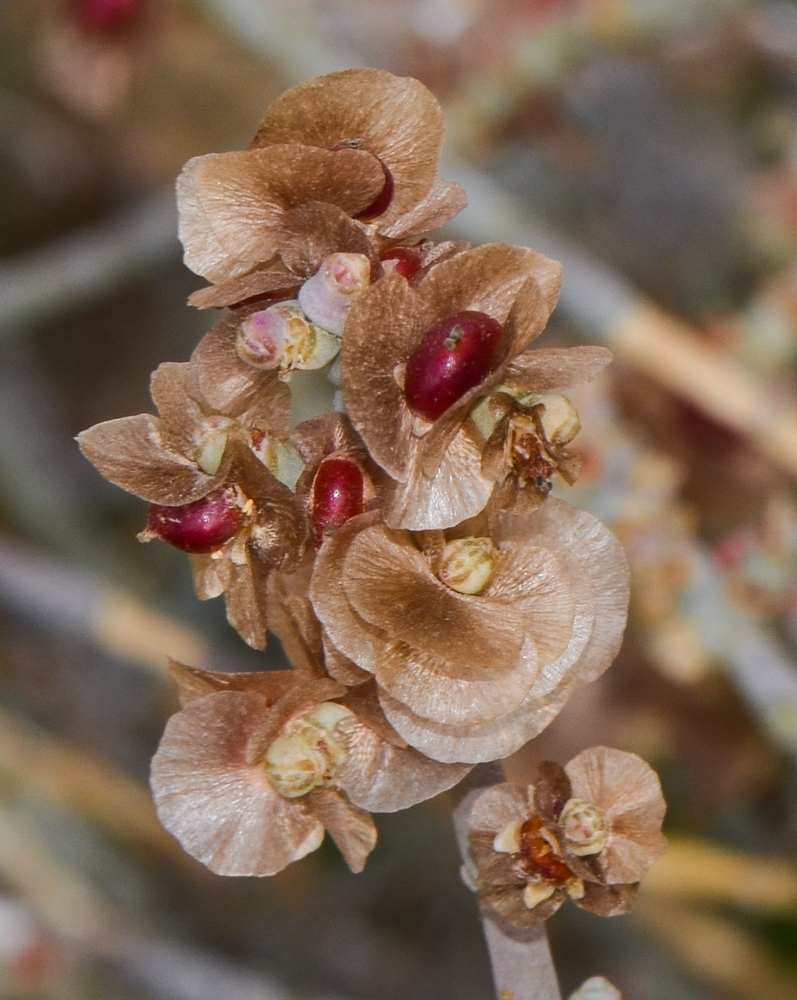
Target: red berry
point(538, 857)
point(406, 261)
point(381, 203)
point(453, 357)
point(198, 527)
point(337, 496)
point(107, 16)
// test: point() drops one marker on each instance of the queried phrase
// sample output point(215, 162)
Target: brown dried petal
point(212, 576)
point(351, 828)
point(179, 411)
point(382, 328)
point(363, 700)
point(496, 807)
point(230, 387)
point(546, 369)
point(246, 602)
point(608, 900)
point(445, 200)
point(381, 777)
point(389, 583)
point(397, 119)
point(292, 620)
point(551, 791)
point(231, 204)
point(309, 233)
point(193, 683)
point(598, 575)
point(510, 906)
point(276, 284)
point(341, 667)
point(224, 811)
point(138, 454)
point(629, 793)
point(455, 491)
point(488, 279)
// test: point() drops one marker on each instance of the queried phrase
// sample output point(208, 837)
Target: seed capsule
point(585, 826)
point(281, 337)
point(402, 260)
point(198, 527)
point(453, 357)
point(337, 496)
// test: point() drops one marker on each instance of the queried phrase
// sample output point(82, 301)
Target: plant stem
point(521, 960)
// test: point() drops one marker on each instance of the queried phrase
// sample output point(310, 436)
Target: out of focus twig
point(45, 766)
point(87, 264)
point(67, 600)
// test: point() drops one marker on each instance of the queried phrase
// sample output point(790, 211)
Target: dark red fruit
point(337, 496)
point(198, 527)
point(538, 857)
point(106, 17)
point(407, 262)
point(453, 357)
point(381, 203)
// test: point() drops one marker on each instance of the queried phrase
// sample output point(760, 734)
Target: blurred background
point(651, 145)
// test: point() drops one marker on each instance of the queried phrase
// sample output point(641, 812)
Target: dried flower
point(473, 676)
point(526, 446)
point(589, 832)
point(255, 766)
point(204, 445)
point(350, 146)
point(437, 464)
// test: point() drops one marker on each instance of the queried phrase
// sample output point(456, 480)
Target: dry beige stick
point(717, 951)
point(668, 351)
point(697, 870)
point(521, 960)
point(70, 779)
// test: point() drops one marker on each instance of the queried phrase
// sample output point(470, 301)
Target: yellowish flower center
point(210, 442)
point(309, 752)
point(468, 564)
point(585, 827)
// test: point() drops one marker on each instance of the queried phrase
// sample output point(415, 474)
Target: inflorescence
point(437, 606)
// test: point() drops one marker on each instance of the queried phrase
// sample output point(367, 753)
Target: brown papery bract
point(562, 567)
point(395, 119)
point(213, 410)
point(436, 465)
point(213, 791)
point(472, 677)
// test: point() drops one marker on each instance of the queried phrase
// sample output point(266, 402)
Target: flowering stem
point(521, 961)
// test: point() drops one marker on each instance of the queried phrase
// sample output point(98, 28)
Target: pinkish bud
point(453, 357)
point(327, 297)
point(198, 527)
point(281, 337)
